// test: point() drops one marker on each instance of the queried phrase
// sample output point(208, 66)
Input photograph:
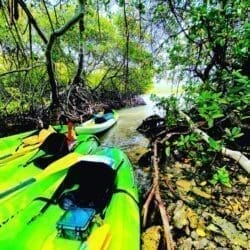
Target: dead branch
point(146, 206)
point(169, 135)
point(155, 192)
point(163, 212)
point(240, 158)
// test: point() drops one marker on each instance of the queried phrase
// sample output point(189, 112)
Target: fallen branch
point(240, 158)
point(163, 212)
point(155, 192)
point(146, 206)
point(169, 135)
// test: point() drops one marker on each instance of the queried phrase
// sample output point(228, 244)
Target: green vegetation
point(49, 48)
point(69, 56)
point(221, 176)
point(208, 47)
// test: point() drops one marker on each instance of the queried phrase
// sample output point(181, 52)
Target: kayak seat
point(103, 118)
point(94, 182)
point(74, 223)
point(55, 146)
point(108, 116)
point(55, 143)
point(86, 190)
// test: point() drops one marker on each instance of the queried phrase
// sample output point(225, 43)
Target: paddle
point(99, 239)
point(57, 166)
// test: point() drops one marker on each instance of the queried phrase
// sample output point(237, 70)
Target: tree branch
point(33, 21)
point(172, 8)
point(163, 212)
point(155, 193)
point(240, 158)
point(21, 70)
point(77, 77)
point(53, 36)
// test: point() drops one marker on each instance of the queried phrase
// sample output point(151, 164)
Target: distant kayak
point(99, 123)
point(94, 207)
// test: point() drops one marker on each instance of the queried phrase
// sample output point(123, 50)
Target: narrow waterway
point(124, 134)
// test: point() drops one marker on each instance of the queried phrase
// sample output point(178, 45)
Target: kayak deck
point(31, 230)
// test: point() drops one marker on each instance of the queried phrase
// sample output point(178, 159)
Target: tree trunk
point(77, 77)
point(50, 67)
point(126, 53)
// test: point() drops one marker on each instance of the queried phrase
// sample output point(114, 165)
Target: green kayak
point(19, 144)
point(95, 206)
point(39, 161)
point(99, 123)
point(10, 143)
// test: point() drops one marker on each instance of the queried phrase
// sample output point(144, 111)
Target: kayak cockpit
point(85, 191)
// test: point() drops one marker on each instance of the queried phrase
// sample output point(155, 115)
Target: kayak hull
point(121, 217)
point(90, 127)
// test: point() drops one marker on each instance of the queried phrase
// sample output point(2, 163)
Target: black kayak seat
point(55, 146)
point(55, 143)
point(94, 178)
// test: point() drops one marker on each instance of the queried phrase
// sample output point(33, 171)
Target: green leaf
point(214, 144)
point(238, 135)
point(221, 176)
point(210, 123)
point(214, 179)
point(167, 151)
point(217, 115)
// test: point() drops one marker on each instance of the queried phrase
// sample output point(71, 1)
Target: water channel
point(124, 134)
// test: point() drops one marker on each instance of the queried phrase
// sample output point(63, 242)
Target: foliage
point(187, 141)
point(207, 49)
point(170, 106)
point(231, 135)
point(214, 145)
point(208, 105)
point(103, 50)
point(221, 176)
